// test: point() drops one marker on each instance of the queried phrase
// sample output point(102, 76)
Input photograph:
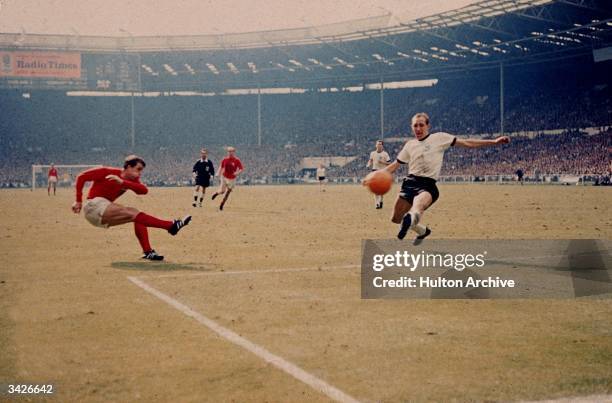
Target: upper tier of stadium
point(480, 35)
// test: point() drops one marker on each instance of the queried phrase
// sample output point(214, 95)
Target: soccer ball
point(379, 182)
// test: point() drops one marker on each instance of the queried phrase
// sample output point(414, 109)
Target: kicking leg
point(421, 203)
point(172, 227)
point(116, 214)
point(411, 220)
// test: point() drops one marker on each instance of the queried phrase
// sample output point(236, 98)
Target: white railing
point(560, 179)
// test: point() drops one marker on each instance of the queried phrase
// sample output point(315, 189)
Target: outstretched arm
point(134, 186)
point(473, 143)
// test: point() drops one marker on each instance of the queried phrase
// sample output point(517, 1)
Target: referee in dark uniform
point(203, 171)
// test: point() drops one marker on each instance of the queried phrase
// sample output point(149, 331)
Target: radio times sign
point(40, 64)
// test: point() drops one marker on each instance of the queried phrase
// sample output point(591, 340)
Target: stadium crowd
point(50, 127)
point(571, 152)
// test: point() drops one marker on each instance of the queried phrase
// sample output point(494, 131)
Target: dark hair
point(132, 161)
point(380, 141)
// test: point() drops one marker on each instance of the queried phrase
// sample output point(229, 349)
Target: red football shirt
point(53, 172)
point(106, 188)
point(230, 165)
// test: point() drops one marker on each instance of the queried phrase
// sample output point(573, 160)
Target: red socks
point(141, 222)
point(143, 236)
point(150, 221)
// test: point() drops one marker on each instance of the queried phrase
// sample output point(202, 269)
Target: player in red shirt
point(231, 167)
point(101, 210)
point(51, 180)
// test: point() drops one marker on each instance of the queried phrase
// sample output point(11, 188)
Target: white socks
point(419, 229)
point(196, 194)
point(415, 226)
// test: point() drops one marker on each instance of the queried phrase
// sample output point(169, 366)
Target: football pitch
point(261, 301)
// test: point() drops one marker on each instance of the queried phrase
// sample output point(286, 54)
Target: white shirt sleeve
point(404, 156)
point(445, 140)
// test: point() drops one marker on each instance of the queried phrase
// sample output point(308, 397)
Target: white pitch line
point(577, 399)
point(261, 352)
point(219, 273)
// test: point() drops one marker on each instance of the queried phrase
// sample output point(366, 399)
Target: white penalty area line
point(581, 399)
point(279, 362)
point(260, 271)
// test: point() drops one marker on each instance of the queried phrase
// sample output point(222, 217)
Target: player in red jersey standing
point(101, 210)
point(231, 167)
point(51, 180)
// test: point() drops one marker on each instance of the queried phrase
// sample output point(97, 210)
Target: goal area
point(66, 174)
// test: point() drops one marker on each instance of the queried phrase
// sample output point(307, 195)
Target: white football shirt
point(424, 157)
point(379, 159)
point(320, 172)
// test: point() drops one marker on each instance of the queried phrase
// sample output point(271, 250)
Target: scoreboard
point(115, 72)
point(69, 71)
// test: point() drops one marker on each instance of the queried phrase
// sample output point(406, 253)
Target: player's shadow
point(162, 266)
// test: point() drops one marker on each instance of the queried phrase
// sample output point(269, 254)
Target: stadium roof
point(480, 35)
point(196, 17)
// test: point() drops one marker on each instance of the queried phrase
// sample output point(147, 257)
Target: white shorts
point(94, 210)
point(52, 179)
point(230, 183)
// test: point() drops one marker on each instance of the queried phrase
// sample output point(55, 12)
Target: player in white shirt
point(321, 176)
point(424, 156)
point(379, 159)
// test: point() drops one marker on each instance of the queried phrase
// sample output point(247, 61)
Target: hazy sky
point(192, 17)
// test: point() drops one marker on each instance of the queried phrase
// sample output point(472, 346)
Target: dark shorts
point(414, 185)
point(204, 182)
point(321, 178)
